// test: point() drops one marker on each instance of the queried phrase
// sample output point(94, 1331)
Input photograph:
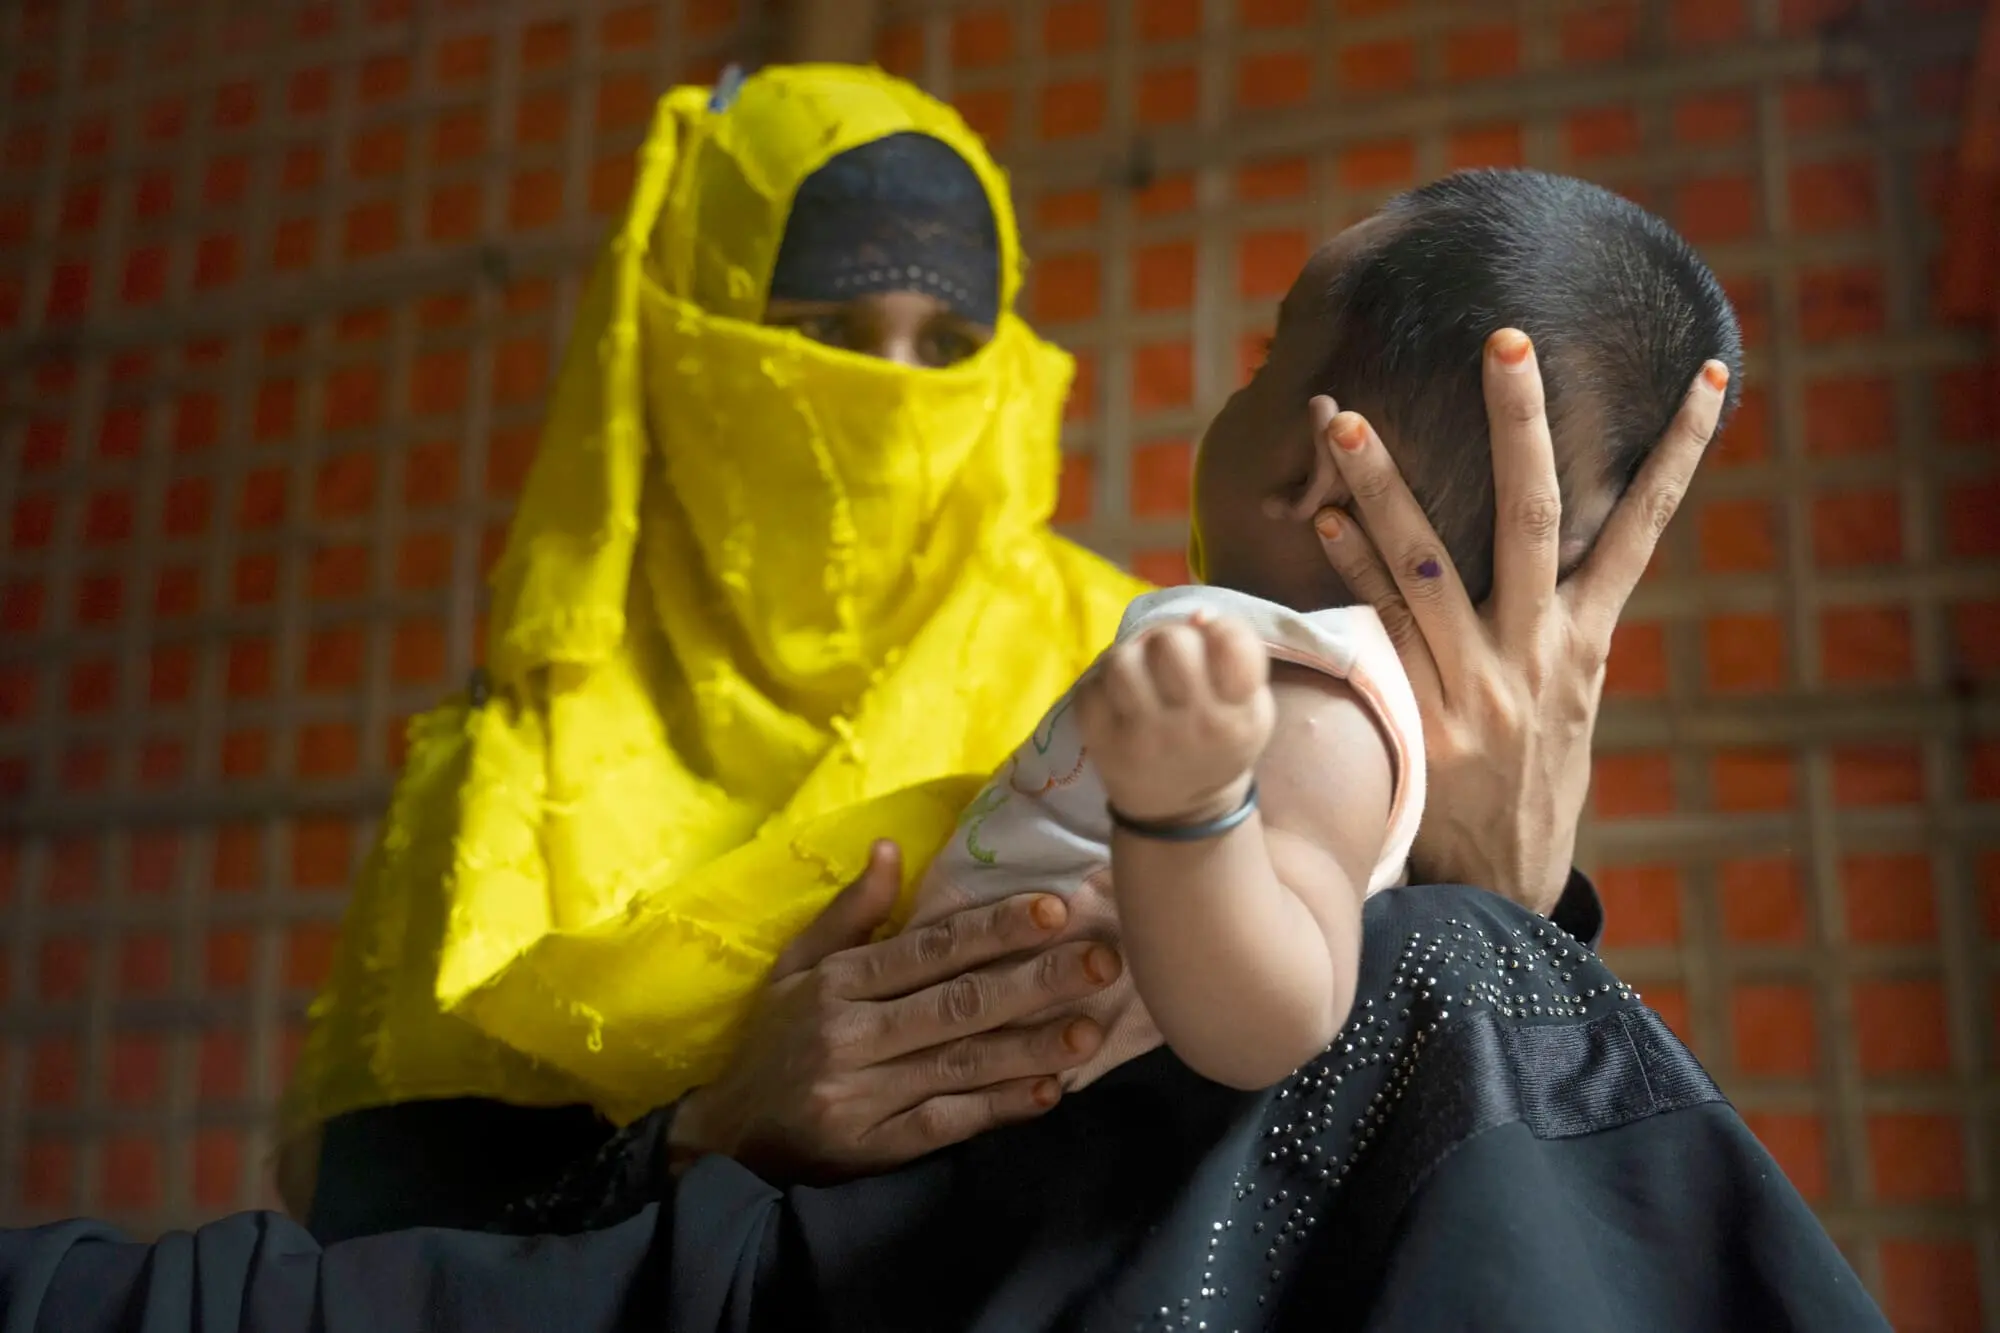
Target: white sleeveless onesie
point(1041, 824)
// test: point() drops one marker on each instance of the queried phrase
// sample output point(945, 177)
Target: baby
point(1245, 765)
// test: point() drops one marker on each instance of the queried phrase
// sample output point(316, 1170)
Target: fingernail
point(1350, 432)
point(1511, 348)
point(1047, 912)
point(1429, 569)
point(1100, 965)
point(1045, 1093)
point(1076, 1037)
point(1717, 375)
point(1327, 524)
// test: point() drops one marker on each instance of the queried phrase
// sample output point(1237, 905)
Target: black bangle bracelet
point(1202, 832)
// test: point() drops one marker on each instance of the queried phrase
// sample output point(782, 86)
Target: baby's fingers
point(1173, 662)
point(1238, 663)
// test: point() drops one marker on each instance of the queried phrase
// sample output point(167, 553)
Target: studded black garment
point(1503, 1139)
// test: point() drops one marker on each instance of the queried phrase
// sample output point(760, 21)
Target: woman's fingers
point(971, 1063)
point(1598, 591)
point(1409, 546)
point(916, 960)
point(852, 918)
point(943, 1121)
point(1527, 532)
point(1360, 567)
point(992, 997)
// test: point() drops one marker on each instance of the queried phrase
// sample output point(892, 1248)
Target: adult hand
point(862, 1056)
point(1508, 691)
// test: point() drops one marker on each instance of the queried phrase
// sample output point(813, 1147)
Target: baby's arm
point(1244, 946)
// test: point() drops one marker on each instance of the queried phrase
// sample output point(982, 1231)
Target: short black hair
point(1621, 309)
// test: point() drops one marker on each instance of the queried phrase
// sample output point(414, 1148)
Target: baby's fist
point(1176, 718)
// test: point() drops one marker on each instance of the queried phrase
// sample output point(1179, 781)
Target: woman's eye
point(946, 346)
point(830, 329)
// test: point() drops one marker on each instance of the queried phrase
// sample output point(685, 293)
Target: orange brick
point(1076, 490)
point(1642, 905)
point(899, 48)
point(1081, 405)
point(1890, 898)
point(1857, 528)
point(548, 44)
point(322, 854)
point(1916, 1157)
point(707, 18)
point(1167, 194)
point(1163, 276)
point(1850, 415)
point(1833, 196)
point(981, 39)
point(1901, 1027)
point(1609, 131)
point(1715, 118)
point(1603, 35)
point(1739, 537)
point(1069, 209)
point(1162, 376)
point(1931, 1284)
point(217, 1170)
point(137, 1073)
point(1744, 654)
point(1485, 146)
point(1669, 1001)
point(1268, 262)
point(1774, 1031)
point(1700, 23)
point(1281, 178)
point(1162, 473)
point(121, 433)
point(1490, 51)
point(520, 370)
point(333, 659)
point(1638, 663)
point(1633, 784)
point(1169, 96)
point(131, 1165)
point(1972, 519)
point(145, 278)
point(629, 29)
point(1073, 27)
point(1165, 569)
point(534, 200)
point(326, 750)
point(216, 262)
point(1877, 775)
point(1169, 20)
point(1975, 639)
point(1752, 781)
point(1273, 79)
point(989, 112)
point(221, 1065)
point(1273, 13)
point(541, 117)
point(418, 652)
point(1866, 645)
point(1762, 901)
point(1718, 208)
point(1377, 69)
point(383, 78)
point(1065, 287)
point(1817, 106)
point(1383, 164)
point(1798, 1142)
point(309, 953)
point(624, 102)
point(1840, 303)
point(145, 966)
point(1072, 109)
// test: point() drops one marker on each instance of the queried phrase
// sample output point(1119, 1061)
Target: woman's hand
point(1509, 691)
point(862, 1056)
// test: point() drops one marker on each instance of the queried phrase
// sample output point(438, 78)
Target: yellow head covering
point(763, 602)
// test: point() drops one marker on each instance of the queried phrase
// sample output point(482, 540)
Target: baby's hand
point(1176, 718)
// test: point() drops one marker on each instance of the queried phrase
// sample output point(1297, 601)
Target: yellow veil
point(762, 603)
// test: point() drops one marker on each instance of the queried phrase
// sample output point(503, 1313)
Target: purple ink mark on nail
point(1429, 569)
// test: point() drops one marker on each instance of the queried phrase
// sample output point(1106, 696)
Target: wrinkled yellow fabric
point(763, 602)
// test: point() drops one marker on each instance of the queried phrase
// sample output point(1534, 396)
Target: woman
point(1474, 1135)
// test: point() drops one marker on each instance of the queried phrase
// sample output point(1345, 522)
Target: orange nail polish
point(1046, 1092)
point(1328, 525)
point(1511, 349)
point(1349, 432)
point(1717, 375)
point(1099, 966)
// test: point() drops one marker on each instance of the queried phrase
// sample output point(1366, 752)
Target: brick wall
point(280, 292)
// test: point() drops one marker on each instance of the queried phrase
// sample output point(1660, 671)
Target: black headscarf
point(900, 213)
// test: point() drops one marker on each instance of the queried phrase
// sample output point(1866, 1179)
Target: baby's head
point(1390, 318)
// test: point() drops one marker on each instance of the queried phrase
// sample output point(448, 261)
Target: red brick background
point(280, 293)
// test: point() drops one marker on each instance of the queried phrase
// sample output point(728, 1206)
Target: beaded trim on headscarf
point(902, 213)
